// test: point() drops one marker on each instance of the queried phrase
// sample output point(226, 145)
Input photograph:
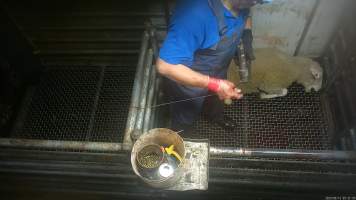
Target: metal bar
point(343, 144)
point(94, 14)
point(283, 164)
point(144, 92)
point(255, 182)
point(85, 28)
point(341, 106)
point(279, 153)
point(96, 102)
point(61, 145)
point(151, 93)
point(353, 138)
point(154, 42)
point(85, 40)
point(131, 118)
point(278, 176)
point(228, 152)
point(306, 28)
point(88, 52)
point(153, 119)
point(214, 151)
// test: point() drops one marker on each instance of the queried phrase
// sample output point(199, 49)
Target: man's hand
point(224, 89)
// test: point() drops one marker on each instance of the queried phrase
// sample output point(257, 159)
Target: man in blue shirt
point(202, 40)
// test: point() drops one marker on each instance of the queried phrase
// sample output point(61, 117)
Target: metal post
point(343, 144)
point(144, 92)
point(155, 100)
point(151, 93)
point(278, 153)
point(131, 118)
point(154, 42)
point(353, 138)
point(153, 39)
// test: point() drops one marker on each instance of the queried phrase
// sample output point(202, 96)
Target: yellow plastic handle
point(170, 151)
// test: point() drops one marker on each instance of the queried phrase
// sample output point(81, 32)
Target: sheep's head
point(312, 77)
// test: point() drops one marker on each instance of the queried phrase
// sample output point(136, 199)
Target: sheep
point(273, 71)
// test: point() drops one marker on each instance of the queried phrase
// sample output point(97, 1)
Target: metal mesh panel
point(113, 105)
point(295, 121)
point(77, 103)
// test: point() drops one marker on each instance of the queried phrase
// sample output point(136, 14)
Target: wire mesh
point(77, 104)
point(113, 106)
point(295, 121)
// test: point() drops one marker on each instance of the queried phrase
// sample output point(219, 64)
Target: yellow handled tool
point(170, 151)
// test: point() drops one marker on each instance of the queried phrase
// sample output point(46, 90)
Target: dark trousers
point(185, 113)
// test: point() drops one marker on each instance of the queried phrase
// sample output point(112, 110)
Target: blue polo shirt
point(194, 26)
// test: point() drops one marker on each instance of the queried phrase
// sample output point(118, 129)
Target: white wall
point(291, 25)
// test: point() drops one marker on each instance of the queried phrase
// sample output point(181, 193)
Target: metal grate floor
point(77, 104)
point(295, 121)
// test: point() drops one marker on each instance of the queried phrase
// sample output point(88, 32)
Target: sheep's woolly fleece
point(273, 70)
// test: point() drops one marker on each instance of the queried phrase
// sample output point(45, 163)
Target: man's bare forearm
point(182, 74)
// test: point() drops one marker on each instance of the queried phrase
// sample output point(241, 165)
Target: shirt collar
point(227, 13)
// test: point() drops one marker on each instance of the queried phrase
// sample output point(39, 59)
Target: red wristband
point(214, 84)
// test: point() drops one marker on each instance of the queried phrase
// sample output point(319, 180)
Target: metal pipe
point(343, 145)
point(154, 42)
point(353, 138)
point(153, 39)
point(131, 118)
point(144, 93)
point(279, 153)
point(61, 145)
point(244, 64)
point(151, 92)
point(155, 100)
point(228, 152)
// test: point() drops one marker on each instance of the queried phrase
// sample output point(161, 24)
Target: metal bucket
point(161, 137)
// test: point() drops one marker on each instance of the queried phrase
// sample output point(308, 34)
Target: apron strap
point(218, 10)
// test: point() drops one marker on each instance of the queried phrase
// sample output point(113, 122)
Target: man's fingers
point(229, 91)
point(238, 94)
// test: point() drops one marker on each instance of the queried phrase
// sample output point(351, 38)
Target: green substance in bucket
point(150, 160)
